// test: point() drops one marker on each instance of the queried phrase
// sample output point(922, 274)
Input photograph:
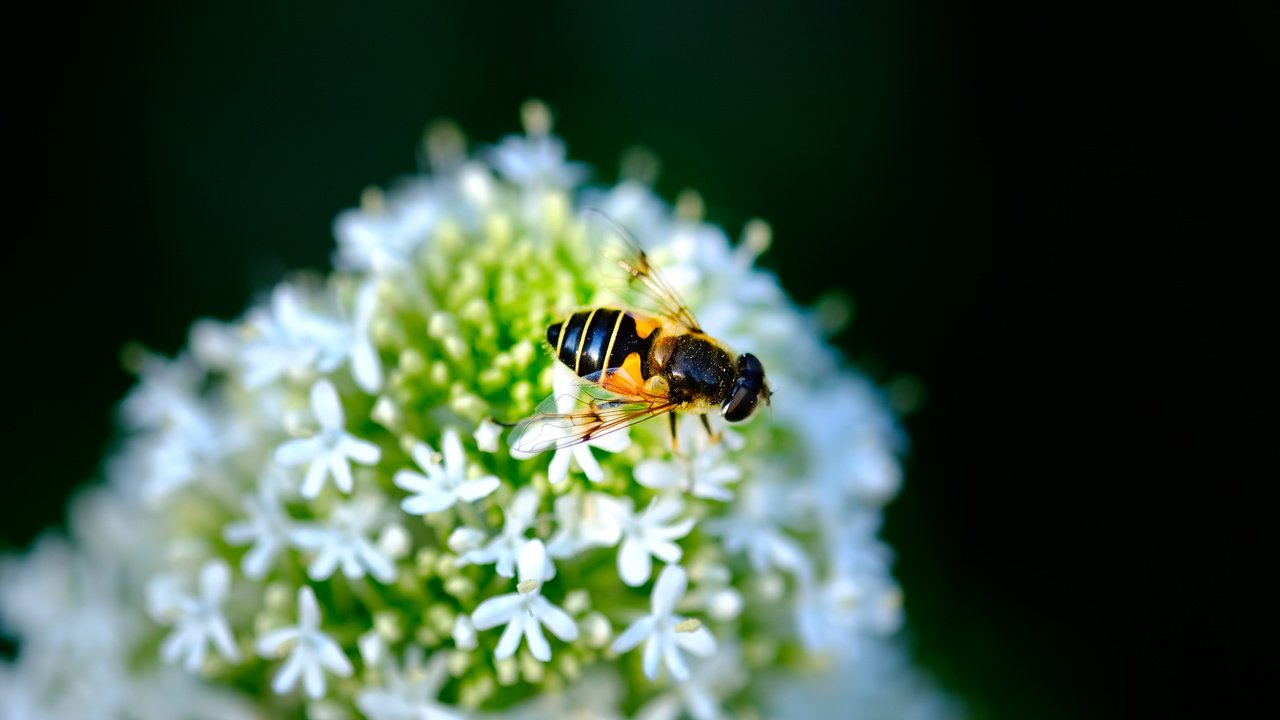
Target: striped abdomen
point(593, 340)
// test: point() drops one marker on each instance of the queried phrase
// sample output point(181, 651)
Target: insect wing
point(626, 270)
point(606, 402)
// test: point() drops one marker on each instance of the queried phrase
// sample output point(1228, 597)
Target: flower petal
point(672, 583)
point(510, 639)
point(326, 405)
point(634, 563)
point(313, 681)
point(314, 481)
point(656, 474)
point(215, 578)
point(676, 665)
point(635, 634)
point(330, 655)
point(652, 656)
point(497, 610)
point(558, 470)
point(341, 473)
point(536, 641)
point(588, 462)
point(361, 451)
point(455, 460)
point(308, 609)
point(532, 563)
point(473, 490)
point(288, 675)
point(430, 500)
point(700, 642)
point(269, 645)
point(557, 621)
point(298, 451)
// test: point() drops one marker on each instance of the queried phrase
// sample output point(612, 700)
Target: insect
point(634, 365)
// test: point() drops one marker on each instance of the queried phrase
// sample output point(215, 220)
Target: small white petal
point(676, 665)
point(639, 631)
point(464, 633)
point(269, 645)
point(473, 490)
point(634, 563)
point(558, 470)
point(430, 500)
point(537, 642)
point(487, 434)
point(332, 657)
point(588, 463)
point(366, 366)
point(557, 621)
point(361, 451)
point(215, 578)
point(341, 473)
point(672, 583)
point(510, 639)
point(497, 610)
point(314, 481)
point(532, 562)
point(699, 642)
point(652, 657)
point(288, 675)
point(308, 609)
point(326, 405)
point(455, 460)
point(298, 451)
point(313, 681)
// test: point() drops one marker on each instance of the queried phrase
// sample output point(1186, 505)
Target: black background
point(951, 167)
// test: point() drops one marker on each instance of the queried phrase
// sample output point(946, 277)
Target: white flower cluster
point(313, 509)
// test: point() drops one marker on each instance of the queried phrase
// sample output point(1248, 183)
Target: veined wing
point(606, 401)
point(627, 270)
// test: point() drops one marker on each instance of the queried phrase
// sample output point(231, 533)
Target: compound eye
point(740, 404)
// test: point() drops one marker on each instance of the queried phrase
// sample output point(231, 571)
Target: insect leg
point(675, 436)
point(711, 434)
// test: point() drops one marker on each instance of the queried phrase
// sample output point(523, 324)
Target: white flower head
point(525, 612)
point(664, 633)
point(329, 452)
point(344, 540)
point(310, 651)
point(198, 620)
point(444, 484)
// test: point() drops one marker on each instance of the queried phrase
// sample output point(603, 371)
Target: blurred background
point(938, 163)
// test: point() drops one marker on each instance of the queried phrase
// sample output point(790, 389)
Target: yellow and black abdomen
point(593, 340)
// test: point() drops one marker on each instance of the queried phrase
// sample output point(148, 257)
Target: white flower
point(585, 521)
point(444, 485)
point(705, 474)
point(312, 651)
point(525, 612)
point(409, 694)
point(752, 528)
point(198, 620)
point(487, 434)
point(344, 540)
point(267, 527)
point(290, 340)
point(505, 547)
point(720, 676)
point(665, 632)
point(647, 535)
point(385, 239)
point(537, 159)
point(328, 451)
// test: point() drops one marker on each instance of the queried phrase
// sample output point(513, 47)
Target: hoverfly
point(634, 365)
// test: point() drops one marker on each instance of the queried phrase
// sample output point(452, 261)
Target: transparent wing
point(627, 271)
point(605, 402)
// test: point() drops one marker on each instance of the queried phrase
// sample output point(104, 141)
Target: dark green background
point(940, 163)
